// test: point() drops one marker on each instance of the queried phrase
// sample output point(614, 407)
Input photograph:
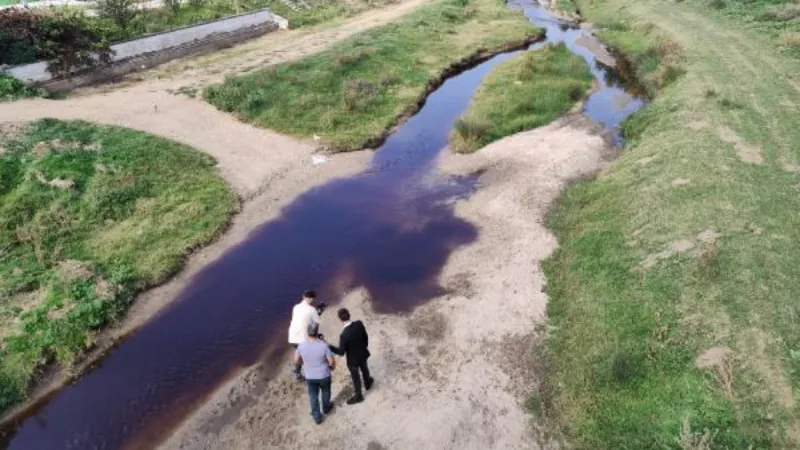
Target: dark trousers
point(295, 367)
point(354, 373)
point(314, 387)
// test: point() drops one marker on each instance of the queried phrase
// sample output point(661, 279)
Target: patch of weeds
point(189, 91)
point(358, 94)
point(710, 93)
point(343, 59)
point(782, 12)
point(708, 260)
point(534, 405)
point(791, 39)
point(717, 4)
point(523, 93)
point(690, 440)
point(669, 74)
point(625, 366)
point(729, 104)
point(13, 89)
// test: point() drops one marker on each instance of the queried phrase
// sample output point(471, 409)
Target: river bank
point(673, 293)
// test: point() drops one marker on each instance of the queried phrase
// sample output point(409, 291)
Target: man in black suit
point(354, 342)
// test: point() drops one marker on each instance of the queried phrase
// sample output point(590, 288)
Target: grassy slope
point(356, 91)
point(622, 353)
point(526, 92)
point(71, 258)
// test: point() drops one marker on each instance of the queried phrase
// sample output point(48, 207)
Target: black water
point(390, 230)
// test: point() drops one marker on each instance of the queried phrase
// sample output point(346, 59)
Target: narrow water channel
point(390, 230)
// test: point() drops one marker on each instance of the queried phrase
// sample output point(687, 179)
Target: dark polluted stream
point(389, 230)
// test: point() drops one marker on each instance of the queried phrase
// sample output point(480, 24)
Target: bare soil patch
point(747, 152)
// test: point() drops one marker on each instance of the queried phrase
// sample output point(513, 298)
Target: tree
point(121, 12)
point(69, 42)
point(65, 39)
point(19, 36)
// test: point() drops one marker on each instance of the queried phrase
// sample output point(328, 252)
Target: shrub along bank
point(356, 91)
point(529, 91)
point(12, 89)
point(89, 216)
point(673, 295)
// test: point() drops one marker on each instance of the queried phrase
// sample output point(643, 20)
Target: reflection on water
point(390, 230)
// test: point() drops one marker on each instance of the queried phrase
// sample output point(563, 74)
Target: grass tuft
point(624, 366)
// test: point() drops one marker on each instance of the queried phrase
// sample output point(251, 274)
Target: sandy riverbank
point(455, 372)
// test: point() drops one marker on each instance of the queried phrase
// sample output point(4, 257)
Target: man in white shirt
point(303, 314)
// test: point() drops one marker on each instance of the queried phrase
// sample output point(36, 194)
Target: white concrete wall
point(37, 72)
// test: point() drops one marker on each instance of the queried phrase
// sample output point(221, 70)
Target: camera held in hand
point(321, 307)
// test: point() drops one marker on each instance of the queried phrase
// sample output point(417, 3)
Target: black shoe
point(355, 399)
point(318, 421)
point(368, 383)
point(328, 409)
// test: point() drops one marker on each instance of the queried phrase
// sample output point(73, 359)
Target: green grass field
point(526, 92)
point(674, 311)
point(89, 216)
point(356, 91)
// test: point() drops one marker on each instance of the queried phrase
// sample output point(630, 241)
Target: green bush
point(67, 39)
point(20, 38)
point(12, 89)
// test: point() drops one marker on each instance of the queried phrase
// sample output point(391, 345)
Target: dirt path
point(453, 374)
